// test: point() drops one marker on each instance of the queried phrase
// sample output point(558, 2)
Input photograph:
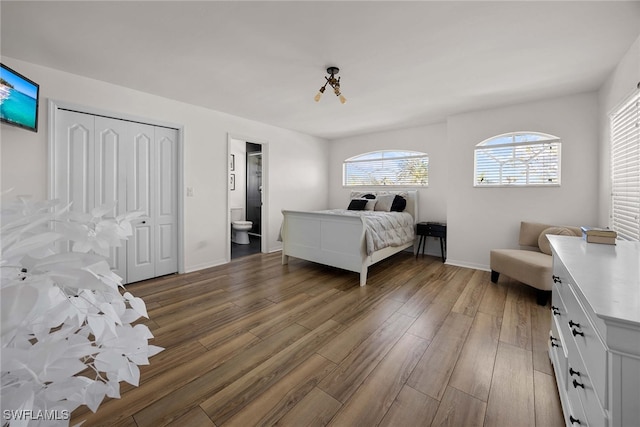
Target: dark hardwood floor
point(253, 342)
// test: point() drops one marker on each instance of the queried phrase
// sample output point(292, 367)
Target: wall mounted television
point(19, 99)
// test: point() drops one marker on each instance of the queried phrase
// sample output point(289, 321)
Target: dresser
point(594, 341)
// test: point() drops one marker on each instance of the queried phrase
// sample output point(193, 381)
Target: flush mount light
point(334, 83)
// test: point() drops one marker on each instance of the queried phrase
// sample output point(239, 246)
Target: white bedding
point(383, 229)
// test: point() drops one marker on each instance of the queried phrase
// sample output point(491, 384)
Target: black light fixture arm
point(333, 82)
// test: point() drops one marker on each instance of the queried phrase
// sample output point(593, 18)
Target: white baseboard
point(465, 264)
point(197, 267)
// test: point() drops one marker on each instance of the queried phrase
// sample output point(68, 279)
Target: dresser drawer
point(578, 379)
point(432, 229)
point(575, 415)
point(581, 332)
point(557, 348)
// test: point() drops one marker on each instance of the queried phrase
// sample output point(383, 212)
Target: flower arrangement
point(67, 335)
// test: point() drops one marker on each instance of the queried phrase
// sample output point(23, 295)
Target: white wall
point(622, 82)
point(206, 231)
point(238, 197)
point(428, 139)
point(480, 219)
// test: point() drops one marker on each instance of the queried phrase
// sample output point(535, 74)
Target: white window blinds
point(518, 159)
point(387, 168)
point(625, 169)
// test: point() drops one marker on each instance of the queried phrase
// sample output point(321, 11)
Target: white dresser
point(595, 331)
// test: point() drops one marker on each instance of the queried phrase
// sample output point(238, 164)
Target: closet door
point(98, 160)
point(166, 189)
point(110, 159)
point(141, 173)
point(73, 162)
point(73, 158)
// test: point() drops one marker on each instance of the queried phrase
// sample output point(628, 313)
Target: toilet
point(239, 227)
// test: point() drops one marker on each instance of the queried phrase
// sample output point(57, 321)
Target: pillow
point(357, 204)
point(369, 196)
point(384, 202)
point(371, 204)
point(543, 242)
point(399, 203)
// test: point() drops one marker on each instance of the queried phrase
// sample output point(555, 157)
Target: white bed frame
point(335, 240)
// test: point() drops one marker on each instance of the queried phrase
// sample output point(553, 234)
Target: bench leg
point(542, 297)
point(494, 276)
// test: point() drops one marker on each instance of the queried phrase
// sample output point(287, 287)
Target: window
point(388, 168)
point(625, 169)
point(518, 159)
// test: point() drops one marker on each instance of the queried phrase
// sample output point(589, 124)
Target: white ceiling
point(401, 63)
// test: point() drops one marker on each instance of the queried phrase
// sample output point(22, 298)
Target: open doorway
point(246, 195)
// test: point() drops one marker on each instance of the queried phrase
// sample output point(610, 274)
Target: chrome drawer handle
point(556, 279)
point(576, 384)
point(574, 420)
point(572, 372)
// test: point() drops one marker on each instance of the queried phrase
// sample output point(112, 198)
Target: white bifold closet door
point(99, 160)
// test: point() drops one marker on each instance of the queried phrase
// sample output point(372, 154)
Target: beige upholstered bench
point(532, 263)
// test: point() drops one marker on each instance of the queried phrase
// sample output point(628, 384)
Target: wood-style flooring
point(253, 342)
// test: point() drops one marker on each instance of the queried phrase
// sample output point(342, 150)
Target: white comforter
point(383, 228)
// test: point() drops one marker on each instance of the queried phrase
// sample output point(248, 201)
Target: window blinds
point(387, 168)
point(625, 169)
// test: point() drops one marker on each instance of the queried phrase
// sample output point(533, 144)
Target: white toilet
point(239, 227)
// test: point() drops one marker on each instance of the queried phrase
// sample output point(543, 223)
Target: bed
point(340, 239)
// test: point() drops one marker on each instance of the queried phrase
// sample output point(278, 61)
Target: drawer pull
point(555, 310)
point(576, 384)
point(572, 372)
point(556, 279)
point(553, 342)
point(576, 332)
point(574, 420)
point(572, 324)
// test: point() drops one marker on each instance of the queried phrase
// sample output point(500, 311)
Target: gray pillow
point(384, 202)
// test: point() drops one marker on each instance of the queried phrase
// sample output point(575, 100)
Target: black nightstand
point(432, 229)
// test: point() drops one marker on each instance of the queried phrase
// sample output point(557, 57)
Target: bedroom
point(478, 219)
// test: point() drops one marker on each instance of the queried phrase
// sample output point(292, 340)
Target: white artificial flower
point(63, 312)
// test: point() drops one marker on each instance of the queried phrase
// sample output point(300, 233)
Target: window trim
point(482, 146)
point(355, 160)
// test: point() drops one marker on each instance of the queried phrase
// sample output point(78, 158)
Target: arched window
point(387, 168)
point(518, 159)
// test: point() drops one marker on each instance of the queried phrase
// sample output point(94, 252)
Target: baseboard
point(465, 264)
point(198, 267)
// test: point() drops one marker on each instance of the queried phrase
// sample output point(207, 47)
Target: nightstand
point(432, 229)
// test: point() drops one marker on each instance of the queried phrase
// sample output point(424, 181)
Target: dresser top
point(608, 276)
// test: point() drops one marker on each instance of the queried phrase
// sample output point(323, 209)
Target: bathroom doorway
point(246, 197)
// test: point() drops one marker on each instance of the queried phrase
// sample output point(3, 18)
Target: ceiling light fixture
point(334, 83)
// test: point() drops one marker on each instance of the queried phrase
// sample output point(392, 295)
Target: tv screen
point(18, 99)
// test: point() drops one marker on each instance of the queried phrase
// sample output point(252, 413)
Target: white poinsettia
point(66, 321)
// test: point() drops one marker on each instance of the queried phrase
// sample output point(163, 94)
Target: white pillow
point(384, 202)
point(371, 204)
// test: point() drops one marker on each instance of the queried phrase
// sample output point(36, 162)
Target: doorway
point(246, 193)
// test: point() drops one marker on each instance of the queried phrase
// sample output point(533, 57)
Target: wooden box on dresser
point(594, 341)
